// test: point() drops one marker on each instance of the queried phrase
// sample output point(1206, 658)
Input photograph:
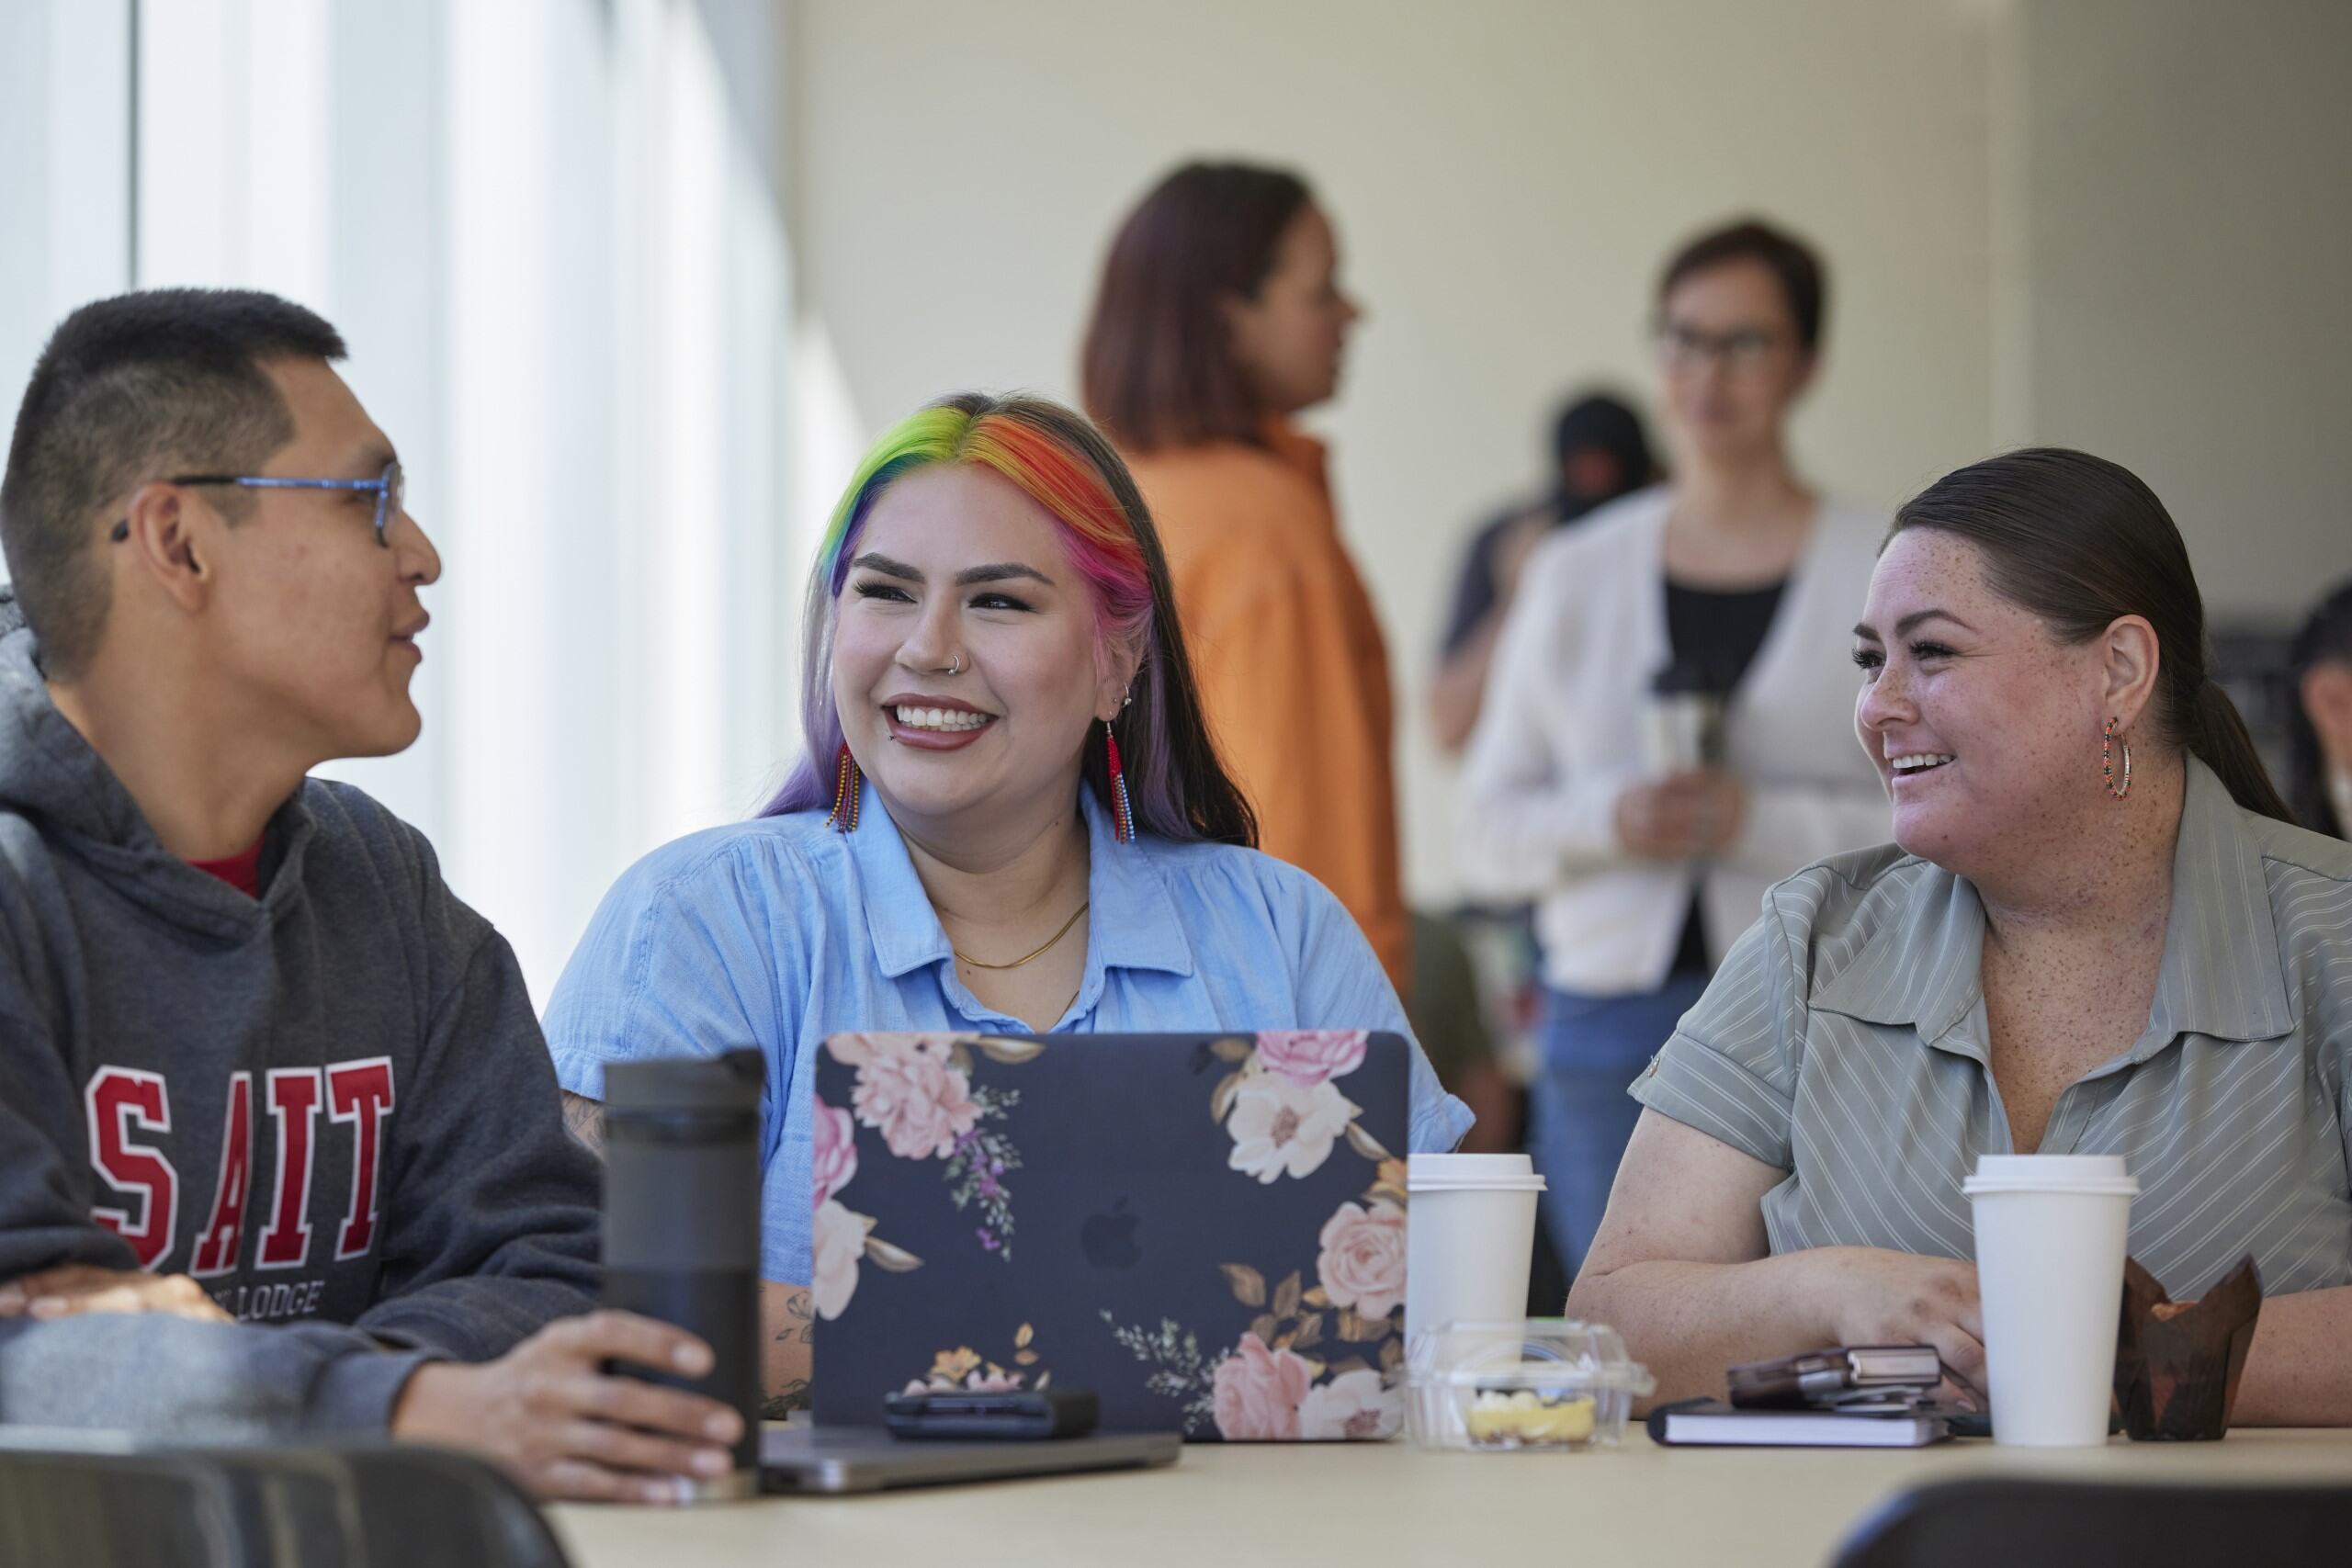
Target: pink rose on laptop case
point(916, 1090)
point(1238, 1276)
point(1256, 1392)
point(1311, 1056)
point(920, 1104)
point(1361, 1263)
point(834, 1159)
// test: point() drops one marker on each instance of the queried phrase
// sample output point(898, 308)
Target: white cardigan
point(1559, 736)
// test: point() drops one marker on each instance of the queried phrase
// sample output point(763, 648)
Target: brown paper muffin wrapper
point(2178, 1363)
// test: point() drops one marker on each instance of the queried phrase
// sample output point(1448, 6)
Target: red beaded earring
point(1123, 815)
point(2107, 764)
point(848, 784)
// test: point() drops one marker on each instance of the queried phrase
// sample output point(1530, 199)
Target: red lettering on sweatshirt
point(120, 1099)
point(361, 1093)
point(217, 1248)
point(117, 1098)
point(294, 1095)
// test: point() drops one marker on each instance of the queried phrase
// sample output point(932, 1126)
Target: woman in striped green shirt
point(2099, 932)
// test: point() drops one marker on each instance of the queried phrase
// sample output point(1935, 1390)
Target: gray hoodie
point(331, 1106)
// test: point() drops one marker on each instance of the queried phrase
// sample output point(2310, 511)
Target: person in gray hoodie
point(281, 1147)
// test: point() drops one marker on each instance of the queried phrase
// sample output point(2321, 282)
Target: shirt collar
point(1130, 926)
point(1920, 965)
point(1298, 450)
point(1134, 923)
point(2220, 975)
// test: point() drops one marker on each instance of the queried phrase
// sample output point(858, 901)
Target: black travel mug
point(682, 1223)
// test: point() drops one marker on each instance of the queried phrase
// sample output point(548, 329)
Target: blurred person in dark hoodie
point(2319, 724)
point(1598, 452)
point(280, 1148)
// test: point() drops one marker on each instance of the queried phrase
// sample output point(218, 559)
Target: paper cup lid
point(1471, 1173)
point(2103, 1175)
point(1467, 1168)
point(1498, 1184)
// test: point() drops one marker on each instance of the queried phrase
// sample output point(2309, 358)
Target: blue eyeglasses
point(391, 489)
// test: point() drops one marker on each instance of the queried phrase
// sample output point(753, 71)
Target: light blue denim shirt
point(779, 931)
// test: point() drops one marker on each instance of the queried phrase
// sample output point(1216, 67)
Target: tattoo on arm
point(780, 1406)
point(585, 1118)
point(800, 1320)
point(788, 1318)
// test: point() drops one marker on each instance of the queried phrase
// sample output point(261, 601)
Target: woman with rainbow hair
point(1009, 818)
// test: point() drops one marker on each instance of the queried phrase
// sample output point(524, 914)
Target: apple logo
point(1108, 1240)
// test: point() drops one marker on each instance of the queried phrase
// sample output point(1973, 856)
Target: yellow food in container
point(1526, 1418)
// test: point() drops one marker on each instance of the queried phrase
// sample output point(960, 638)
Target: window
point(560, 261)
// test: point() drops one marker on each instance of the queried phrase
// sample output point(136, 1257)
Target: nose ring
point(956, 665)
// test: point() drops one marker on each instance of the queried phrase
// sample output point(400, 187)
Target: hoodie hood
point(52, 778)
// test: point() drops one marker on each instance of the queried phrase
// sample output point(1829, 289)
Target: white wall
point(2187, 224)
point(1506, 176)
point(2120, 223)
point(64, 171)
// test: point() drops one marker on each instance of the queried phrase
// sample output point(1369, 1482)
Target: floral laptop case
point(1208, 1232)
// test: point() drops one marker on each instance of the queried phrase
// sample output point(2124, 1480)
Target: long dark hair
point(1177, 785)
point(1157, 370)
point(2327, 634)
point(2081, 541)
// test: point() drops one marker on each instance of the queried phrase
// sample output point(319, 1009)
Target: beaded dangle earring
point(848, 784)
point(1123, 815)
point(2107, 764)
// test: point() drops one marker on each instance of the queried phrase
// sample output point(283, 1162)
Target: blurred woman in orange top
point(1220, 316)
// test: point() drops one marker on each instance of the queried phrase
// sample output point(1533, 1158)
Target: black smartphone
point(1057, 1413)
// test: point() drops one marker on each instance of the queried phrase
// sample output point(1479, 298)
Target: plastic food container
point(1546, 1383)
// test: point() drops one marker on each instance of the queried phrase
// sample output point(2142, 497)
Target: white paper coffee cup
point(1674, 731)
point(2051, 1232)
point(1470, 1240)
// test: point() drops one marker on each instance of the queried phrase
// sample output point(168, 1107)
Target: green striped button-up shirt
point(1844, 1042)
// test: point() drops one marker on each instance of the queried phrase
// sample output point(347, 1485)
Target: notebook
point(1710, 1422)
point(1205, 1231)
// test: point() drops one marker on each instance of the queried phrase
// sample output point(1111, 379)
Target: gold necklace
point(1026, 957)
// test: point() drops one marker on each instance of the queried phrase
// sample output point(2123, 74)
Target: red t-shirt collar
point(241, 872)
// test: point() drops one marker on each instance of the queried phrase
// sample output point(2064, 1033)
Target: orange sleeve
point(1295, 720)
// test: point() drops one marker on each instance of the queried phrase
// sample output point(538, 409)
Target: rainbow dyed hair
point(1176, 787)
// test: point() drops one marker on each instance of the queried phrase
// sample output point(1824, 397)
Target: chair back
point(101, 1504)
point(2065, 1523)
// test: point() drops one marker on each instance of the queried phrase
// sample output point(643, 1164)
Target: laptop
point(1208, 1232)
point(868, 1459)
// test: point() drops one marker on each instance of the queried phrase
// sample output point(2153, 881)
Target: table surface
point(1366, 1503)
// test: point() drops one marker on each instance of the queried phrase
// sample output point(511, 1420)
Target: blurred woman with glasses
point(1664, 732)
